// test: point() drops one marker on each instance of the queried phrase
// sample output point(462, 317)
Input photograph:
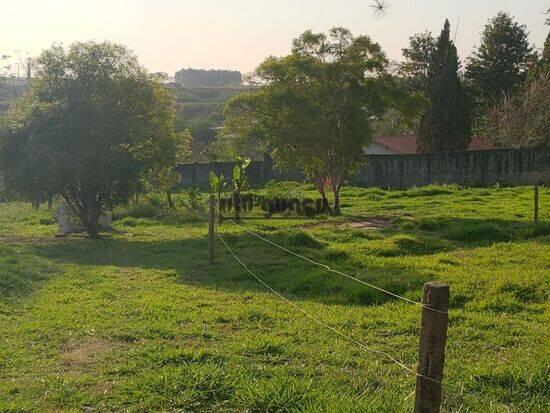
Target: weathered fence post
point(536, 214)
point(211, 227)
point(431, 358)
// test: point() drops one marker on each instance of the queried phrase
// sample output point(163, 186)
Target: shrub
point(142, 211)
point(431, 190)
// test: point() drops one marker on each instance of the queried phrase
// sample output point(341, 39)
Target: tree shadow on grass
point(21, 271)
point(295, 278)
point(290, 275)
point(481, 232)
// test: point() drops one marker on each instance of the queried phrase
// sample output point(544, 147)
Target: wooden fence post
point(211, 228)
point(431, 358)
point(536, 214)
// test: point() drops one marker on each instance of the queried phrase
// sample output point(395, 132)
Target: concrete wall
point(473, 168)
point(259, 172)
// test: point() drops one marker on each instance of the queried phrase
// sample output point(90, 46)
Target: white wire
point(351, 339)
point(326, 267)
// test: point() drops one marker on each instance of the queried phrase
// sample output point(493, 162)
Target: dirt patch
point(83, 354)
point(370, 224)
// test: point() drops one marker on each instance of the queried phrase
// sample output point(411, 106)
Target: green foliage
point(544, 64)
point(194, 201)
point(522, 120)
point(162, 176)
point(418, 57)
point(93, 125)
point(545, 59)
point(142, 210)
point(240, 179)
point(502, 61)
point(446, 124)
point(217, 183)
point(316, 107)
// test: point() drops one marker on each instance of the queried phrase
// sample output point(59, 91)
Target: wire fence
point(315, 319)
point(328, 268)
point(318, 321)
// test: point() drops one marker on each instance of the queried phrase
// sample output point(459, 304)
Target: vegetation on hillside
point(208, 78)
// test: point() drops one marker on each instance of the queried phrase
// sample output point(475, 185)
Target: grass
point(138, 321)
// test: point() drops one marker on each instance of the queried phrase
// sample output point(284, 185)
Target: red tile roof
point(407, 144)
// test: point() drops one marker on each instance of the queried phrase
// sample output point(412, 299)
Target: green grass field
point(138, 320)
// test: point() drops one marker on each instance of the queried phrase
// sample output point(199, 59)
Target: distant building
point(406, 145)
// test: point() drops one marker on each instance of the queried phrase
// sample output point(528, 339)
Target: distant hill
point(195, 103)
point(208, 78)
point(200, 109)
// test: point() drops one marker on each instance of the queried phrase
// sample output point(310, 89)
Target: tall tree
point(545, 58)
point(91, 127)
point(317, 105)
point(501, 62)
point(446, 124)
point(418, 55)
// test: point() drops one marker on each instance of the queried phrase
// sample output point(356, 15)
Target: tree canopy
point(91, 127)
point(317, 105)
point(446, 124)
point(418, 56)
point(501, 62)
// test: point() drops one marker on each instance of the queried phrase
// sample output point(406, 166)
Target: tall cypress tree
point(545, 60)
point(446, 124)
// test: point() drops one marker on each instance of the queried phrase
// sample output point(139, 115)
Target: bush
point(142, 211)
point(430, 190)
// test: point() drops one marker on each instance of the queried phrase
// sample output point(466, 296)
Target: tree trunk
point(88, 213)
point(336, 205)
point(91, 221)
point(320, 184)
point(170, 201)
point(326, 205)
point(36, 200)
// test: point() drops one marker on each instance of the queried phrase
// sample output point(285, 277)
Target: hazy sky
point(237, 34)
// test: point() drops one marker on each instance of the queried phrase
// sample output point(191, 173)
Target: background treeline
point(209, 78)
